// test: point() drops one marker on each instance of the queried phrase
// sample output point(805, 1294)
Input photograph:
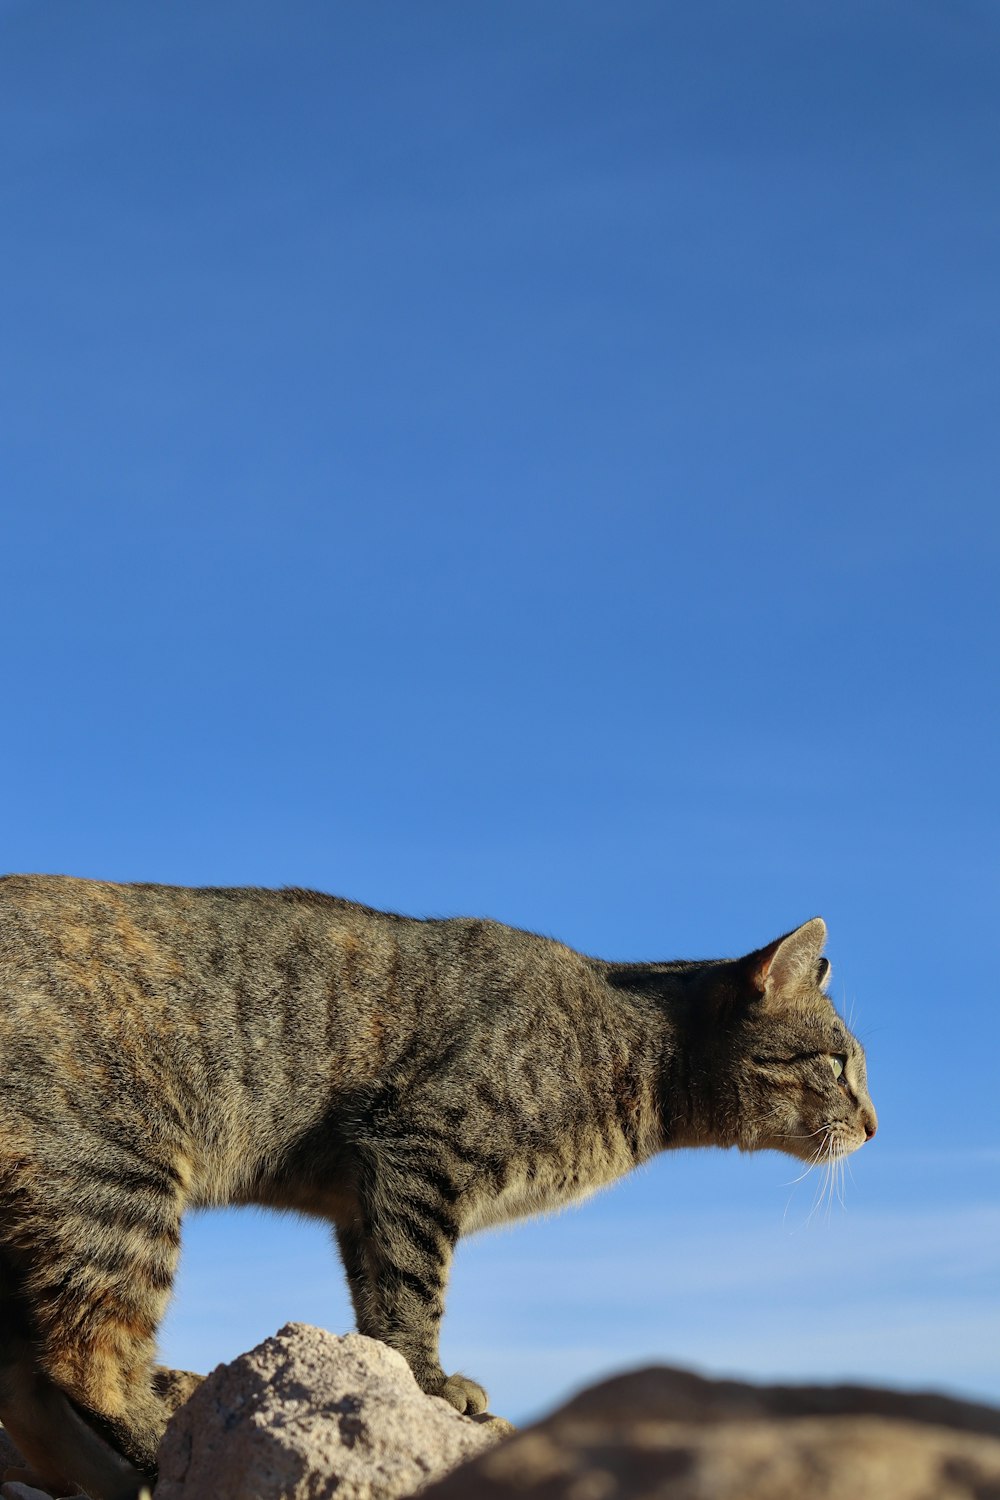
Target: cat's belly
point(542, 1187)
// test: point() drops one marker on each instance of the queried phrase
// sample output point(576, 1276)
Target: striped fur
point(166, 1048)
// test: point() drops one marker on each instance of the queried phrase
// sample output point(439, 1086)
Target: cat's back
point(241, 1013)
point(82, 934)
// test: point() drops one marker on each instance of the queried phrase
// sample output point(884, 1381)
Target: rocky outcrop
point(307, 1415)
point(674, 1436)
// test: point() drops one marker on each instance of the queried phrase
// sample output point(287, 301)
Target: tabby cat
point(410, 1081)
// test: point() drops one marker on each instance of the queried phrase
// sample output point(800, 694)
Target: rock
point(673, 1436)
point(9, 1456)
point(15, 1490)
point(307, 1415)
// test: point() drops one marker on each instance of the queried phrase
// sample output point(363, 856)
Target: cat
point(409, 1080)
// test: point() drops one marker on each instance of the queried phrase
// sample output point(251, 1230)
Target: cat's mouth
point(842, 1142)
point(830, 1143)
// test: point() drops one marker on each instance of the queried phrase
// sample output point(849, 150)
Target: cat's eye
point(838, 1063)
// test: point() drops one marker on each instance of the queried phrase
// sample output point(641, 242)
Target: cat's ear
point(791, 963)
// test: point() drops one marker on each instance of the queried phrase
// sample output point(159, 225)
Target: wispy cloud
point(951, 1157)
point(898, 1297)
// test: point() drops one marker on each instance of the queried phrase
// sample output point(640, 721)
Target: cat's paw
point(463, 1394)
point(174, 1386)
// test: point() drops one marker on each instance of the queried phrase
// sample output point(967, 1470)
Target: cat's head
point(801, 1082)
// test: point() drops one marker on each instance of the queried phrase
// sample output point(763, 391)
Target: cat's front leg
point(397, 1255)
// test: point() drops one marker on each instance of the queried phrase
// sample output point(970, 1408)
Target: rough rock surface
point(9, 1455)
point(307, 1415)
point(16, 1490)
point(673, 1436)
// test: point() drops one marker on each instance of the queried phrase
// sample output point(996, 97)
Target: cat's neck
point(697, 1093)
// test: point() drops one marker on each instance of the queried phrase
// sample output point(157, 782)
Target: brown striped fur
point(167, 1048)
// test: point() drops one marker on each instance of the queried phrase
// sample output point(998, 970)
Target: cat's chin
point(822, 1146)
point(844, 1144)
point(817, 1147)
point(803, 1150)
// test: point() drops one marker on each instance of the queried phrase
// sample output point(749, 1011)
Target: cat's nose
point(871, 1125)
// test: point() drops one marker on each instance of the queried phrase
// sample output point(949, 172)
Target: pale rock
point(308, 1415)
point(664, 1434)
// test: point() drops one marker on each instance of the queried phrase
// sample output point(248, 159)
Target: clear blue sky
point(538, 460)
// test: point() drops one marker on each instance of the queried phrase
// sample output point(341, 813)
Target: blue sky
point(538, 461)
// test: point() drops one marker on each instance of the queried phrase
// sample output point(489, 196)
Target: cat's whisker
point(832, 1156)
point(831, 1186)
point(815, 1203)
point(823, 1159)
point(833, 1170)
point(804, 1135)
point(813, 1162)
point(835, 1175)
point(802, 1175)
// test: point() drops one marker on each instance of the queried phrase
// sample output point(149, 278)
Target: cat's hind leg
point(174, 1386)
point(95, 1341)
point(63, 1450)
point(35, 1412)
point(83, 1288)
